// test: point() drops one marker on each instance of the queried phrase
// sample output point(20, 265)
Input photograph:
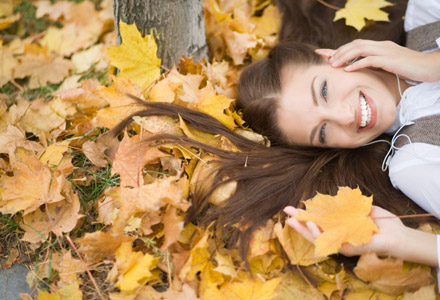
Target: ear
point(327, 53)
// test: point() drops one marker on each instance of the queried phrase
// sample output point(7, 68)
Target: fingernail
point(348, 68)
point(331, 59)
point(335, 62)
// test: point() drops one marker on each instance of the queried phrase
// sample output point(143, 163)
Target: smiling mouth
point(365, 110)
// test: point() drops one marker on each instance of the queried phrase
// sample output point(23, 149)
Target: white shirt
point(415, 167)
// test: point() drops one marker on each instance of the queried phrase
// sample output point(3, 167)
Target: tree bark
point(178, 26)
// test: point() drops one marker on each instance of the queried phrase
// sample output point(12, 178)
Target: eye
point(322, 134)
point(324, 90)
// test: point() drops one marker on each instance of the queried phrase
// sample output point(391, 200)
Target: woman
point(269, 179)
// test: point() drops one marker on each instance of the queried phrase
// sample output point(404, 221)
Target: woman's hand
point(386, 55)
point(393, 239)
point(388, 239)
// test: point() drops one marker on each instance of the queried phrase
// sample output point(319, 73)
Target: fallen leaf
point(132, 155)
point(136, 56)
point(57, 217)
point(8, 21)
point(238, 45)
point(8, 63)
point(299, 250)
point(94, 151)
point(344, 218)
point(95, 55)
point(98, 244)
point(6, 8)
point(425, 293)
point(54, 10)
point(31, 186)
point(251, 289)
point(43, 69)
point(269, 23)
point(215, 106)
point(173, 226)
point(54, 153)
point(133, 268)
point(45, 295)
point(121, 105)
point(356, 11)
point(12, 139)
point(389, 275)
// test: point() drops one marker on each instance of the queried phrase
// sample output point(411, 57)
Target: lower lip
point(373, 108)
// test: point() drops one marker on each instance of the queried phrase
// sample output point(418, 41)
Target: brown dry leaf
point(298, 249)
point(163, 91)
point(84, 97)
point(344, 218)
point(159, 124)
point(121, 105)
point(98, 244)
point(94, 151)
point(42, 69)
point(36, 117)
point(31, 185)
point(73, 36)
point(425, 293)
point(132, 155)
point(389, 275)
point(186, 293)
point(8, 63)
point(57, 217)
point(69, 268)
point(146, 198)
point(186, 86)
point(14, 138)
point(173, 226)
point(54, 10)
point(238, 45)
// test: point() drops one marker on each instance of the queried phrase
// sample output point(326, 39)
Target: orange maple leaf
point(343, 219)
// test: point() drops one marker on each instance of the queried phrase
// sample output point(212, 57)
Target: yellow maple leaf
point(344, 218)
point(251, 289)
point(54, 153)
point(299, 250)
point(7, 65)
point(356, 11)
point(215, 106)
point(45, 295)
point(136, 56)
point(134, 267)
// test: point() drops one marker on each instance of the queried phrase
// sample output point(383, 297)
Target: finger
point(314, 229)
point(290, 210)
point(364, 48)
point(301, 228)
point(370, 62)
point(325, 52)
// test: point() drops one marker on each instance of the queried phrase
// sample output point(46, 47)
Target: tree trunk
point(178, 26)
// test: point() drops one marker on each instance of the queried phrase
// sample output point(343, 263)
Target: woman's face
point(329, 107)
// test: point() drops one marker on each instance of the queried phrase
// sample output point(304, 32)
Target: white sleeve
point(415, 170)
point(421, 12)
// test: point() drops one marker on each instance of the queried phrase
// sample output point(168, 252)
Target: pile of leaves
point(100, 219)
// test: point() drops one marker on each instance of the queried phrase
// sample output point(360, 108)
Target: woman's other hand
point(386, 55)
point(393, 239)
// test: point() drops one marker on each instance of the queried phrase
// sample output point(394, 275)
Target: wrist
point(418, 247)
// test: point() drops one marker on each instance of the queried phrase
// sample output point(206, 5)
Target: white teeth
point(365, 111)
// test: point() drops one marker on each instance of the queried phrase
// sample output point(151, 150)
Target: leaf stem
point(329, 5)
point(92, 279)
point(407, 216)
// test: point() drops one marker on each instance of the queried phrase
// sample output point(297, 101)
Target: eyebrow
point(315, 102)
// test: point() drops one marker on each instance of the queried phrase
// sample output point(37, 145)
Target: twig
point(92, 279)
point(329, 5)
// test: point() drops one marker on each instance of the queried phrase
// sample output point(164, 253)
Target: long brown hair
point(269, 179)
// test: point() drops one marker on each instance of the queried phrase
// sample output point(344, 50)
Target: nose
point(342, 114)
